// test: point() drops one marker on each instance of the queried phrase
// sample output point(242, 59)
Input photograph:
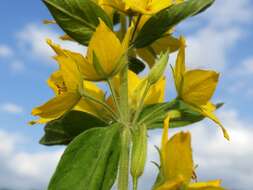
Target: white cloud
point(208, 47)
point(226, 13)
point(222, 26)
point(32, 38)
point(5, 51)
point(35, 165)
point(12, 108)
point(216, 157)
point(24, 170)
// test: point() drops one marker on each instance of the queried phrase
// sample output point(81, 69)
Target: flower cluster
point(105, 128)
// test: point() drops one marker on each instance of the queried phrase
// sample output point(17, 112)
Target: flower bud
point(157, 71)
point(139, 152)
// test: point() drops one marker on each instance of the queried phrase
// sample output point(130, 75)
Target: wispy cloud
point(221, 29)
point(24, 170)
point(11, 108)
point(5, 51)
point(32, 39)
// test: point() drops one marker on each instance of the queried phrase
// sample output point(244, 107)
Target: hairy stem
point(124, 160)
point(114, 96)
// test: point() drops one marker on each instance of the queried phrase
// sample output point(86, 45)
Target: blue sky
point(221, 39)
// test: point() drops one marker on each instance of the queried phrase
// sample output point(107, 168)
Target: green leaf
point(62, 131)
point(78, 18)
point(166, 19)
point(89, 162)
point(136, 65)
point(154, 115)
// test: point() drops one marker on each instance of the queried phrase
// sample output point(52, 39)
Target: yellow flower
point(141, 6)
point(148, 6)
point(66, 83)
point(136, 87)
point(196, 87)
point(105, 57)
point(177, 163)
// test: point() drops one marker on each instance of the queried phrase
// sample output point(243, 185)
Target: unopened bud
point(158, 69)
point(139, 152)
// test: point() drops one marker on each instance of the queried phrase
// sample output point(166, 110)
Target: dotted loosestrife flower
point(136, 88)
point(177, 164)
point(196, 87)
point(66, 83)
point(105, 57)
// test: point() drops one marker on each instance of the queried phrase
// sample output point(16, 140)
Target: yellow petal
point(179, 1)
point(68, 66)
point(199, 86)
point(156, 93)
point(109, 10)
point(164, 149)
point(171, 184)
point(158, 5)
point(210, 185)
point(57, 106)
point(127, 37)
point(178, 159)
point(208, 111)
point(138, 5)
point(147, 6)
point(56, 83)
point(107, 47)
point(116, 4)
point(66, 37)
point(179, 69)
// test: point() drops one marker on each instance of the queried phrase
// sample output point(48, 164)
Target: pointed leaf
point(78, 18)
point(166, 19)
point(154, 115)
point(62, 131)
point(89, 161)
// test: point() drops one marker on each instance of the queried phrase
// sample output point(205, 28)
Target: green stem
point(135, 184)
point(124, 160)
point(140, 107)
point(124, 94)
point(106, 107)
point(114, 96)
point(165, 106)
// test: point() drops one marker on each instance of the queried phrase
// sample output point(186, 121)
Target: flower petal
point(208, 111)
point(210, 185)
point(172, 184)
point(68, 66)
point(199, 86)
point(156, 93)
point(179, 69)
point(178, 159)
point(107, 47)
point(56, 107)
